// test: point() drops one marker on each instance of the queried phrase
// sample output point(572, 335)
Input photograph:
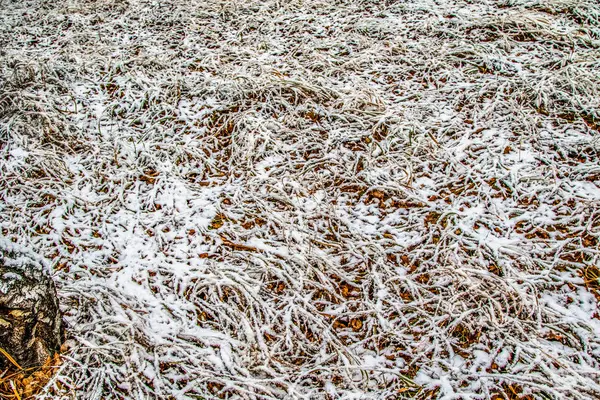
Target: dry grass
point(307, 199)
point(22, 384)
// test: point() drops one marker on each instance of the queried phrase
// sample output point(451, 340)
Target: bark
point(30, 321)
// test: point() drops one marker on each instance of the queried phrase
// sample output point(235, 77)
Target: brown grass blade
point(9, 357)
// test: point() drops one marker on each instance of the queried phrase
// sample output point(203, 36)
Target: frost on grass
point(304, 199)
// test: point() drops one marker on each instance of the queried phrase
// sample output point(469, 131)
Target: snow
point(304, 199)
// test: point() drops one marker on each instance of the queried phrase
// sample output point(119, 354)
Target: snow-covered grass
point(310, 199)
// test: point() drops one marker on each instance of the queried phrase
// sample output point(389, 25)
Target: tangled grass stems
point(310, 199)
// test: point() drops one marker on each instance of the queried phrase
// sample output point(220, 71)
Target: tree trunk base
point(31, 328)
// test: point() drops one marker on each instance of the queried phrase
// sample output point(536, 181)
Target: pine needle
point(9, 357)
point(15, 391)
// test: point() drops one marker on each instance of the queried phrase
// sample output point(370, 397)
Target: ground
point(310, 199)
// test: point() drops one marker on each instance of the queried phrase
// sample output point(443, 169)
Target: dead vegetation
point(309, 199)
point(17, 383)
